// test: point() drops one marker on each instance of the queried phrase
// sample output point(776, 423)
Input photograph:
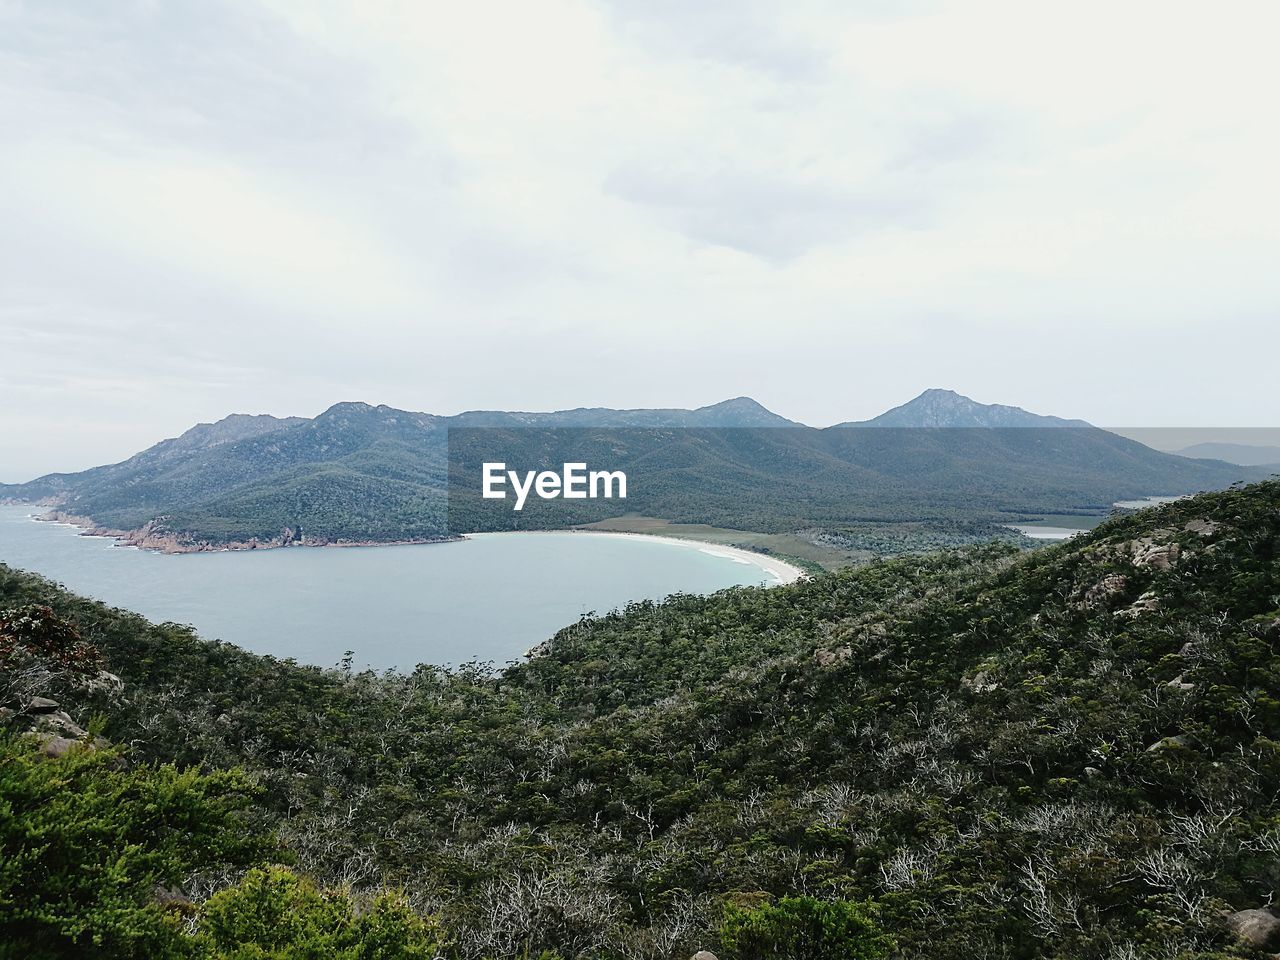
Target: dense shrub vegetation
point(1072, 753)
point(86, 845)
point(803, 927)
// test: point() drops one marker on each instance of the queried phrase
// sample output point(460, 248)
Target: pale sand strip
point(781, 571)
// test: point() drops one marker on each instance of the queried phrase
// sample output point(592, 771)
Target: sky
point(214, 207)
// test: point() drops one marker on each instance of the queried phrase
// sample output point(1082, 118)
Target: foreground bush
point(803, 928)
point(273, 914)
point(85, 845)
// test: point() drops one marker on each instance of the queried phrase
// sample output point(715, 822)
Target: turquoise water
point(490, 597)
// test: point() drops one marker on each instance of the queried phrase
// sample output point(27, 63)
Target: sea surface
point(488, 598)
point(1036, 532)
point(1063, 526)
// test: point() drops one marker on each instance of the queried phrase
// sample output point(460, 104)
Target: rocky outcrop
point(1148, 552)
point(1158, 551)
point(51, 727)
point(1202, 527)
point(704, 955)
point(1155, 553)
point(1105, 590)
point(59, 722)
point(1147, 603)
point(56, 747)
point(154, 535)
point(104, 682)
point(980, 682)
point(828, 658)
point(1171, 743)
point(1255, 928)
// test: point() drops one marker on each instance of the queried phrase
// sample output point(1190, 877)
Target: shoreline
point(781, 571)
point(146, 538)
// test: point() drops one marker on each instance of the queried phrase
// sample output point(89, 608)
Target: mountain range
point(1247, 454)
point(361, 473)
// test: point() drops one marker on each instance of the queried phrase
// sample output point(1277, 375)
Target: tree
point(274, 914)
point(803, 928)
point(37, 648)
point(85, 845)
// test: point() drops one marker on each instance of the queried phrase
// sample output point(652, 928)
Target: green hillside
point(363, 473)
point(782, 480)
point(1071, 753)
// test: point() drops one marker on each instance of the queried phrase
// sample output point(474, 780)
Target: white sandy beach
point(781, 571)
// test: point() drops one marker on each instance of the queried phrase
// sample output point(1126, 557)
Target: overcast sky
point(211, 207)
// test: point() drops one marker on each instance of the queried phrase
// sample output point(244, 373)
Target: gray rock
point(1157, 556)
point(52, 745)
point(60, 723)
point(1204, 527)
point(1106, 588)
point(1144, 604)
point(980, 682)
point(42, 705)
point(1091, 772)
point(1179, 684)
point(1169, 743)
point(172, 897)
point(55, 745)
point(826, 658)
point(105, 682)
point(1255, 928)
point(704, 955)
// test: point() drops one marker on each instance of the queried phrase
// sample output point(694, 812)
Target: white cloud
point(242, 206)
point(182, 214)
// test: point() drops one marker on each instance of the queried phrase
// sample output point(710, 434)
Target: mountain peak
point(938, 407)
point(739, 412)
point(348, 407)
point(738, 405)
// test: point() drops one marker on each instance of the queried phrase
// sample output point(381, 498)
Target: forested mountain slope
point(355, 472)
point(1071, 753)
point(361, 473)
point(782, 480)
